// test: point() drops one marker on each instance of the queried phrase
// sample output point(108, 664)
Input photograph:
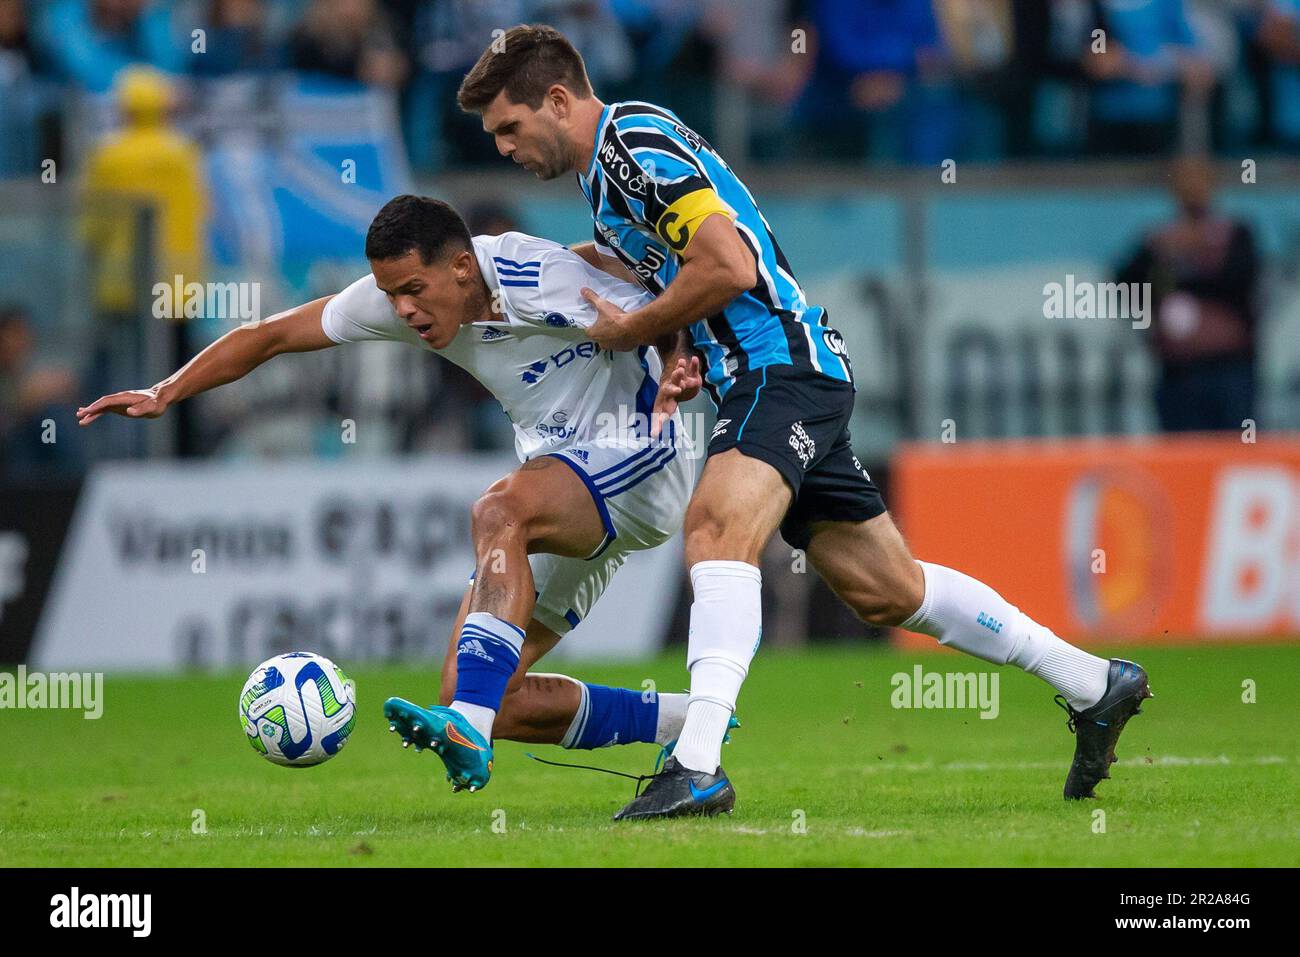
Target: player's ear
point(462, 265)
point(559, 101)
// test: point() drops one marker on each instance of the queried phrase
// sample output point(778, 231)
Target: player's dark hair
point(416, 223)
point(526, 62)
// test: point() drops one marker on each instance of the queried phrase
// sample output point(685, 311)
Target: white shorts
point(641, 492)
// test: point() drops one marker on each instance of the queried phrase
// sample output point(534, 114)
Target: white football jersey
point(558, 387)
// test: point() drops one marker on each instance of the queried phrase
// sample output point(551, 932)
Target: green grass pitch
point(827, 772)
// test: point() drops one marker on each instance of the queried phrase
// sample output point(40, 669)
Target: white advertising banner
point(213, 565)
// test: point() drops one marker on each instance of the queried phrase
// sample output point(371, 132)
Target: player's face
point(434, 299)
point(535, 139)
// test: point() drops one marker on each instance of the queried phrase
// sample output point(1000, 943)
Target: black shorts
point(798, 423)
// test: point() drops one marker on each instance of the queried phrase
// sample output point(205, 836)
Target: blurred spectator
point(23, 97)
point(16, 52)
point(761, 71)
point(756, 44)
point(882, 60)
point(145, 165)
point(1279, 36)
point(979, 34)
point(1044, 78)
point(659, 31)
point(236, 39)
point(592, 27)
point(1204, 277)
point(447, 39)
point(31, 396)
point(1151, 57)
point(348, 39)
point(90, 41)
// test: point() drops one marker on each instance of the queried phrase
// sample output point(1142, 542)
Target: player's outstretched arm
point(231, 357)
point(717, 266)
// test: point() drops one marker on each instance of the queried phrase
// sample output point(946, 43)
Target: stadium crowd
point(858, 82)
point(905, 81)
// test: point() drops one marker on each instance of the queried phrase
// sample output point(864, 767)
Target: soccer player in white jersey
point(592, 488)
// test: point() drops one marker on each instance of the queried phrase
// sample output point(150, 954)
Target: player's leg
point(548, 509)
point(868, 565)
point(736, 507)
point(541, 507)
point(541, 708)
point(770, 425)
point(537, 709)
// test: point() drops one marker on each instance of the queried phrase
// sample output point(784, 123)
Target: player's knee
point(709, 537)
point(497, 513)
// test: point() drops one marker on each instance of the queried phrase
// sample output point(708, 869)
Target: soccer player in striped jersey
point(670, 213)
point(593, 487)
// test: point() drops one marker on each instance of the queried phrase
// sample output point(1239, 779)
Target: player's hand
point(610, 330)
point(134, 404)
point(679, 384)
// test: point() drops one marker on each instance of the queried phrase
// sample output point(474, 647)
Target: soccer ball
point(298, 709)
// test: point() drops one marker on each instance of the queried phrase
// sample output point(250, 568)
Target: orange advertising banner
point(1165, 539)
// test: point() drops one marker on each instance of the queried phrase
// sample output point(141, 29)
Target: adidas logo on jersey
point(580, 454)
point(473, 646)
point(490, 334)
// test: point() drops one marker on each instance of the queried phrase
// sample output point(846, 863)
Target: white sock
point(672, 715)
point(574, 733)
point(726, 625)
point(971, 617)
point(477, 715)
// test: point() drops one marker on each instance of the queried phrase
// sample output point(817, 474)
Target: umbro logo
point(719, 428)
point(472, 646)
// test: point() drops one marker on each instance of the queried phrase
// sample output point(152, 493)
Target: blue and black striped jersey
point(651, 182)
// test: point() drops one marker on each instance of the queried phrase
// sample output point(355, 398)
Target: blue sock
point(612, 716)
point(486, 657)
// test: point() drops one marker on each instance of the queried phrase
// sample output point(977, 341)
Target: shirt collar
point(600, 138)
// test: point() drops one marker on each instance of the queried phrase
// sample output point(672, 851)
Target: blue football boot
point(467, 757)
